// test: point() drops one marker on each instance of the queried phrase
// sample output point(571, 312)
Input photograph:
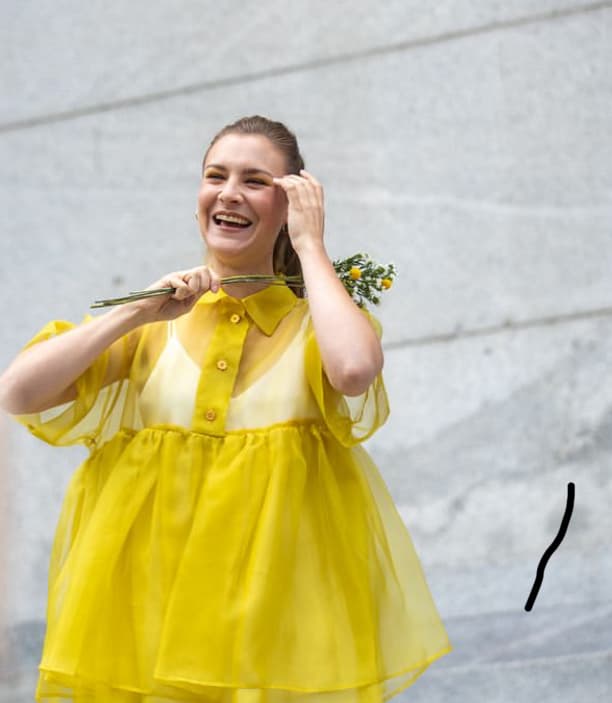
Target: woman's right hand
point(190, 285)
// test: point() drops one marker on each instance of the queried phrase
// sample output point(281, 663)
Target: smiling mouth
point(231, 221)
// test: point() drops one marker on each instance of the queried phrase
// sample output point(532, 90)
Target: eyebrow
point(245, 171)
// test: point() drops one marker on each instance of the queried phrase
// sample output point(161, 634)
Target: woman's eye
point(258, 181)
point(214, 176)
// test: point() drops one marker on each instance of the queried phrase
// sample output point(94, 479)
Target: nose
point(229, 192)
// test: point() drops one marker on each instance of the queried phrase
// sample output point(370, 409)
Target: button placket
point(219, 371)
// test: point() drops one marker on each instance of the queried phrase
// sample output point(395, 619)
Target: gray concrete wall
point(468, 142)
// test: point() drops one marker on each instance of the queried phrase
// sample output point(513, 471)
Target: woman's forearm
point(350, 348)
point(40, 375)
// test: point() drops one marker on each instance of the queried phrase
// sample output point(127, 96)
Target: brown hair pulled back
point(284, 258)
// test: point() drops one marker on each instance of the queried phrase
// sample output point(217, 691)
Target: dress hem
point(417, 669)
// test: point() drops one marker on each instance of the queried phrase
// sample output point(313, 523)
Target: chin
point(228, 249)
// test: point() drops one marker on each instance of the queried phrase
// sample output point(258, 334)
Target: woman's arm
point(350, 348)
point(351, 352)
point(43, 376)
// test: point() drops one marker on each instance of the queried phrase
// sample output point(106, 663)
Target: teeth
point(233, 218)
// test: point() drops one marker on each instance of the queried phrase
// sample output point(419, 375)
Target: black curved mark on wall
point(569, 506)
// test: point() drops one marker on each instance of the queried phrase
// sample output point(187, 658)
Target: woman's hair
point(284, 258)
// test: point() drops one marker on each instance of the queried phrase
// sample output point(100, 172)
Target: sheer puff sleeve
point(94, 414)
point(351, 419)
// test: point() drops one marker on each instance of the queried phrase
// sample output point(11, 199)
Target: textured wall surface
point(468, 142)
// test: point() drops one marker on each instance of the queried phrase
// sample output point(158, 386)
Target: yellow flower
point(386, 282)
point(355, 273)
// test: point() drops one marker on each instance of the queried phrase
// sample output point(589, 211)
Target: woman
point(228, 539)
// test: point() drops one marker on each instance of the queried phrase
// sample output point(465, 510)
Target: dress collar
point(266, 308)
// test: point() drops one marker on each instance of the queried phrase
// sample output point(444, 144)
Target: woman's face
point(240, 209)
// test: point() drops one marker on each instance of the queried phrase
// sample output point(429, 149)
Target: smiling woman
point(228, 539)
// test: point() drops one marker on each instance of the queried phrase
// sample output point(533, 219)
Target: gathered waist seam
point(314, 424)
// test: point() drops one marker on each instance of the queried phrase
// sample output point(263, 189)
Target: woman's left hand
point(305, 214)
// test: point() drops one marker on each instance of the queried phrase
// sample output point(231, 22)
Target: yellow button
point(210, 414)
point(221, 364)
point(235, 318)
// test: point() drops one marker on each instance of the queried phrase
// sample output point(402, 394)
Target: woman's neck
point(240, 290)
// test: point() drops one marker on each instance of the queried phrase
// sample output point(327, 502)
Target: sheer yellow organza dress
point(228, 539)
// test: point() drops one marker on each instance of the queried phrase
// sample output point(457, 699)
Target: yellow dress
point(228, 539)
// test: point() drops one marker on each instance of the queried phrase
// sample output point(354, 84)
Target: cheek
point(205, 197)
point(281, 201)
point(278, 205)
point(266, 205)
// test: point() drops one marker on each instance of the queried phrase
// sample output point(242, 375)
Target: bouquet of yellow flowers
point(362, 278)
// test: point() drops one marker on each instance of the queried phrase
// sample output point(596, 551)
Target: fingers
point(197, 281)
point(182, 288)
point(301, 190)
point(189, 286)
point(295, 190)
point(311, 178)
point(203, 278)
point(317, 188)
